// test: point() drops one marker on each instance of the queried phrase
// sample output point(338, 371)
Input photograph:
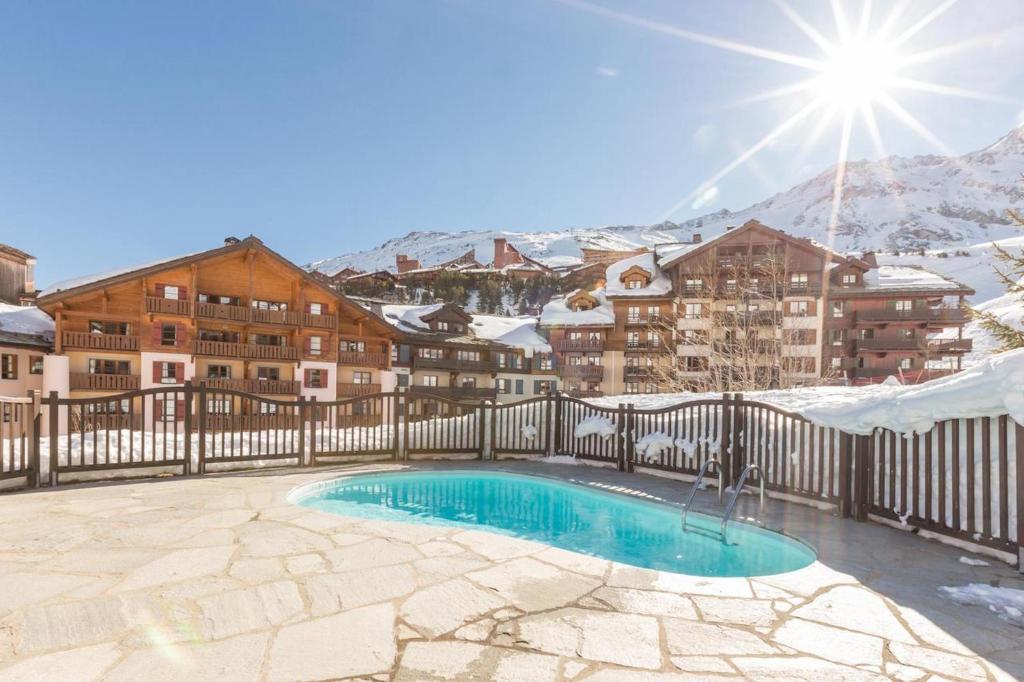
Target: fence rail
point(964, 478)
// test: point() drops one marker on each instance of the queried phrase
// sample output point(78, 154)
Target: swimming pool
point(567, 515)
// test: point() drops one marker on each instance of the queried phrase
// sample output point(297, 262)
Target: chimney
point(230, 241)
point(696, 238)
point(404, 264)
point(869, 258)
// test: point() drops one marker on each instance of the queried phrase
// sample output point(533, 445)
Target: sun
point(857, 73)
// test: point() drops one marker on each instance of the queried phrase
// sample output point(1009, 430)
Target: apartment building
point(443, 350)
point(579, 326)
point(239, 317)
point(26, 337)
point(17, 276)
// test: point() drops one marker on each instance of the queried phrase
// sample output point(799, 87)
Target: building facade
point(17, 276)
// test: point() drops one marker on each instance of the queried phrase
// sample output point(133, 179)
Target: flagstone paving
point(222, 578)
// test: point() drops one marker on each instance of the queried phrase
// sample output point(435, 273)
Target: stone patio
point(221, 578)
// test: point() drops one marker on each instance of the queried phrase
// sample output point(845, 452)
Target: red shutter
point(812, 308)
point(179, 410)
point(307, 376)
point(179, 335)
point(183, 293)
point(309, 345)
point(309, 308)
point(160, 290)
point(179, 372)
point(155, 338)
point(157, 372)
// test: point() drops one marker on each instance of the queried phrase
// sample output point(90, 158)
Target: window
point(692, 311)
point(172, 292)
point(168, 335)
point(575, 359)
point(730, 285)
point(543, 387)
point(360, 347)
point(653, 312)
point(218, 406)
point(268, 373)
point(694, 285)
point(269, 340)
point(594, 336)
point(632, 387)
point(167, 373)
point(504, 386)
point(315, 345)
point(849, 280)
point(632, 339)
point(35, 364)
point(838, 308)
point(594, 360)
point(798, 280)
point(442, 326)
point(167, 410)
point(270, 305)
point(468, 355)
point(268, 408)
point(216, 298)
point(837, 336)
point(430, 380)
point(430, 353)
point(652, 388)
point(908, 333)
point(906, 363)
point(694, 363)
point(502, 359)
point(515, 361)
point(469, 382)
point(653, 340)
point(403, 380)
point(112, 407)
point(798, 308)
point(904, 306)
point(8, 367)
point(109, 366)
point(593, 387)
point(361, 377)
point(633, 313)
point(316, 308)
point(519, 386)
point(635, 284)
point(837, 362)
point(544, 361)
point(104, 327)
point(218, 371)
point(799, 337)
point(316, 378)
point(216, 335)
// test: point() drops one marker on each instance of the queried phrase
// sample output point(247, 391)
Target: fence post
point(860, 477)
point(480, 431)
point(630, 437)
point(559, 415)
point(493, 428)
point(548, 419)
point(395, 423)
point(845, 468)
point(405, 427)
point(31, 417)
point(202, 427)
point(187, 468)
point(54, 437)
point(725, 441)
point(620, 437)
point(737, 445)
point(1018, 439)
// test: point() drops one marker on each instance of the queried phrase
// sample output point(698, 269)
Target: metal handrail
point(738, 490)
point(696, 486)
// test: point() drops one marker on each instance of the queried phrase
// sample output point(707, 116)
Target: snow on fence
point(962, 477)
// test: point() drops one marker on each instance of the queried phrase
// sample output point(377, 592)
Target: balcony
point(656, 319)
point(363, 359)
point(248, 351)
point(319, 321)
point(260, 386)
point(168, 306)
point(103, 382)
point(647, 346)
point(455, 392)
point(582, 394)
point(287, 317)
point(756, 318)
point(222, 311)
point(944, 315)
point(456, 364)
point(641, 372)
point(585, 372)
point(578, 345)
point(350, 390)
point(894, 344)
point(91, 341)
point(810, 289)
point(950, 345)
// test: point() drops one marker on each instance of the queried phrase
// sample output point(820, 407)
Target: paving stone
point(71, 624)
point(357, 642)
point(238, 659)
point(808, 580)
point(438, 569)
point(572, 669)
point(625, 639)
point(75, 665)
point(423, 661)
point(861, 610)
point(702, 664)
point(333, 592)
point(238, 611)
point(903, 673)
point(255, 571)
point(577, 563)
point(18, 590)
point(478, 631)
point(619, 675)
point(439, 548)
point(530, 585)
point(803, 668)
point(305, 563)
point(938, 661)
point(687, 638)
point(375, 552)
point(751, 612)
point(177, 566)
point(833, 644)
point(346, 539)
point(496, 547)
point(441, 608)
point(646, 579)
point(647, 602)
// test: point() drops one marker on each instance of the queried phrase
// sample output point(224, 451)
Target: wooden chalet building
point(17, 276)
point(238, 317)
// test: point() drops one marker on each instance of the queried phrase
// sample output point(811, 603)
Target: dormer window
point(635, 283)
point(849, 280)
point(441, 326)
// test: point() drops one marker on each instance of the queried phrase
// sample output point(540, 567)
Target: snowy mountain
point(932, 202)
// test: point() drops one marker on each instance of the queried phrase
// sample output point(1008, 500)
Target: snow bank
point(654, 444)
point(595, 426)
point(906, 277)
point(18, 319)
point(517, 332)
point(659, 285)
point(1005, 602)
point(558, 314)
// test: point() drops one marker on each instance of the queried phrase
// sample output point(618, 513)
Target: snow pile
point(595, 426)
point(559, 459)
point(1005, 602)
point(968, 561)
point(659, 285)
point(517, 332)
point(529, 432)
point(558, 314)
point(689, 447)
point(907, 278)
point(407, 317)
point(654, 444)
point(1007, 308)
point(100, 276)
point(17, 319)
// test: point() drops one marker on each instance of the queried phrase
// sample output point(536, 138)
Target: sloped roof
point(8, 250)
point(659, 285)
point(557, 312)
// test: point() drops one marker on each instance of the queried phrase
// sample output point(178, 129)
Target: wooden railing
point(288, 317)
point(890, 344)
point(257, 386)
point(93, 341)
point(588, 372)
point(350, 390)
point(456, 392)
point(249, 351)
point(951, 315)
point(222, 311)
point(457, 364)
point(319, 321)
point(81, 381)
point(168, 306)
point(578, 345)
point(363, 359)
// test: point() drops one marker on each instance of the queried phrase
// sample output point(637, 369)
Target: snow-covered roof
point(82, 281)
point(558, 314)
point(660, 284)
point(25, 325)
point(518, 332)
point(906, 277)
point(408, 317)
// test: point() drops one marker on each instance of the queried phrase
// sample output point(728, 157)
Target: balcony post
point(187, 469)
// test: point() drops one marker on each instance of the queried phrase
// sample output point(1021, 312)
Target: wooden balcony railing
point(319, 321)
point(455, 392)
point(93, 341)
point(578, 345)
point(586, 372)
point(457, 364)
point(659, 319)
point(260, 386)
point(363, 359)
point(890, 344)
point(950, 315)
point(80, 381)
point(950, 345)
point(648, 346)
point(288, 317)
point(758, 318)
point(350, 390)
point(168, 306)
point(250, 351)
point(222, 311)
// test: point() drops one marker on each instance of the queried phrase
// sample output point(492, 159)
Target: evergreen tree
point(1012, 276)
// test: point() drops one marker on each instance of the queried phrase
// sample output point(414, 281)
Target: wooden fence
point(964, 478)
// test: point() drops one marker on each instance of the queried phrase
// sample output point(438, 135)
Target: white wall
point(330, 391)
point(57, 377)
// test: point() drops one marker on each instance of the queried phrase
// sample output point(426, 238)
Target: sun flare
point(857, 73)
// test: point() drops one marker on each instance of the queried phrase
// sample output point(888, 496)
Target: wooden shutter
point(157, 372)
point(182, 293)
point(179, 372)
point(179, 411)
point(179, 334)
point(307, 376)
point(308, 345)
point(160, 290)
point(309, 308)
point(812, 308)
point(156, 333)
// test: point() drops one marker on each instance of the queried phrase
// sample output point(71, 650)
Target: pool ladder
point(738, 490)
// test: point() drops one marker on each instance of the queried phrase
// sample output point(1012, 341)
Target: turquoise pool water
point(566, 515)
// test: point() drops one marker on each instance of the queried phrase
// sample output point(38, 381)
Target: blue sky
point(130, 131)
